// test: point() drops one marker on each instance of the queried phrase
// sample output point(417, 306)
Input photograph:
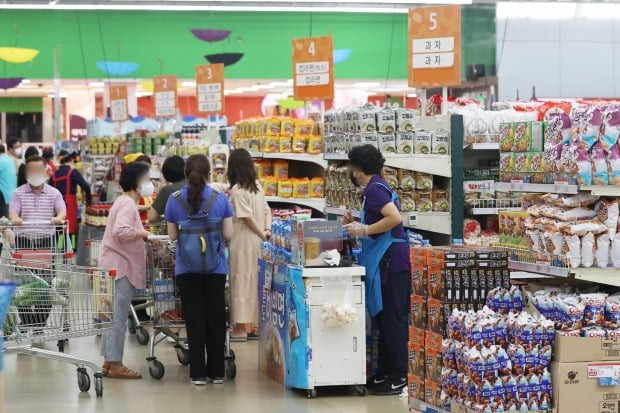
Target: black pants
point(202, 297)
point(393, 322)
point(4, 207)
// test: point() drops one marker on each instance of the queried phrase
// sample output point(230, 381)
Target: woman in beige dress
point(252, 226)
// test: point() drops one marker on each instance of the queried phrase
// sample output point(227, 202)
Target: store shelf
point(544, 269)
point(608, 276)
point(484, 146)
point(493, 206)
point(429, 163)
point(301, 157)
point(341, 211)
point(440, 222)
point(336, 157)
point(256, 154)
point(418, 406)
point(540, 188)
point(522, 275)
point(314, 203)
point(602, 190)
point(354, 271)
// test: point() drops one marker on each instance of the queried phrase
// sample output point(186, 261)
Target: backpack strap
point(212, 198)
point(187, 208)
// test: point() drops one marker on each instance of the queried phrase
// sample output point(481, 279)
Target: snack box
point(506, 162)
point(436, 281)
point(528, 136)
point(387, 143)
point(506, 137)
point(416, 386)
point(521, 162)
point(432, 392)
point(404, 142)
point(309, 238)
point(417, 335)
point(416, 359)
point(433, 362)
point(419, 280)
point(438, 313)
point(418, 311)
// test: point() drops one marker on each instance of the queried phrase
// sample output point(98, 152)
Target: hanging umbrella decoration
point(7, 83)
point(15, 55)
point(117, 68)
point(212, 36)
point(340, 55)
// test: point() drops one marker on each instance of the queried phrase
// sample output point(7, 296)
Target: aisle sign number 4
point(434, 46)
point(165, 92)
point(210, 88)
point(118, 103)
point(313, 68)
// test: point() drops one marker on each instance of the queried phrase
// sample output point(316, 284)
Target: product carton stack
point(445, 278)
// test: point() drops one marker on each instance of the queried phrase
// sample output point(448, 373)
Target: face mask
point(36, 180)
point(353, 179)
point(18, 152)
point(147, 189)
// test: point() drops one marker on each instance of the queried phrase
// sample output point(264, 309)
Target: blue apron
point(373, 250)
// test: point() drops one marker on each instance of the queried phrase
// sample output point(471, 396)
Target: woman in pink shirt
point(123, 250)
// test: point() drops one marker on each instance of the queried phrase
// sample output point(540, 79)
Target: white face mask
point(18, 152)
point(147, 189)
point(36, 180)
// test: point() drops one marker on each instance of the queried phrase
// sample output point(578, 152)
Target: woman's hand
point(267, 234)
point(144, 234)
point(347, 218)
point(356, 229)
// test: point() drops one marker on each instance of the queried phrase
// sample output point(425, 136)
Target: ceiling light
point(96, 84)
point(190, 83)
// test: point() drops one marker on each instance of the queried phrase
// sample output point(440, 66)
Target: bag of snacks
point(612, 309)
point(573, 250)
point(315, 145)
point(264, 168)
point(595, 309)
point(600, 168)
point(317, 187)
point(614, 252)
point(423, 201)
point(593, 127)
point(285, 188)
point(440, 142)
point(601, 251)
point(423, 180)
point(386, 121)
point(610, 129)
point(300, 144)
point(581, 228)
point(584, 164)
point(407, 201)
point(270, 186)
point(404, 120)
point(301, 188)
point(286, 144)
point(280, 169)
point(614, 165)
point(404, 142)
point(273, 126)
point(387, 143)
point(441, 200)
point(608, 214)
point(423, 141)
point(406, 180)
point(587, 250)
point(303, 127)
point(287, 127)
point(272, 144)
point(390, 175)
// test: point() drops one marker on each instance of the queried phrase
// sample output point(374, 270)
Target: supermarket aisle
point(33, 384)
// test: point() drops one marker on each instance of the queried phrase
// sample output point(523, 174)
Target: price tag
point(118, 103)
point(603, 370)
point(165, 92)
point(210, 88)
point(313, 68)
point(434, 46)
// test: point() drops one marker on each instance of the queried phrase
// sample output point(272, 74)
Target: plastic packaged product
point(610, 129)
point(367, 119)
point(285, 188)
point(506, 137)
point(270, 186)
point(404, 142)
point(390, 175)
point(287, 127)
point(593, 127)
point(423, 180)
point(584, 164)
point(568, 160)
point(601, 250)
point(581, 228)
point(300, 144)
point(407, 201)
point(264, 168)
point(573, 250)
point(506, 162)
point(440, 142)
point(303, 127)
point(570, 201)
point(272, 144)
point(369, 138)
point(614, 252)
point(614, 165)
point(280, 169)
point(595, 309)
point(301, 188)
point(423, 141)
point(521, 162)
point(587, 250)
point(386, 121)
point(612, 309)
point(553, 153)
point(273, 126)
point(406, 180)
point(572, 214)
point(404, 119)
point(441, 200)
point(558, 128)
point(534, 241)
point(608, 214)
point(600, 174)
point(317, 187)
point(315, 145)
point(285, 144)
point(423, 201)
point(387, 143)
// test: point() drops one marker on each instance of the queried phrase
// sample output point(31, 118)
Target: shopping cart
point(37, 241)
point(168, 317)
point(76, 302)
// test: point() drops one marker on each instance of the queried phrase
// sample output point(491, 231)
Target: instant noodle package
point(278, 135)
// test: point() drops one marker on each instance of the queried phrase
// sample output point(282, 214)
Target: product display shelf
point(484, 146)
point(429, 163)
point(493, 206)
point(314, 203)
point(341, 211)
point(418, 406)
point(538, 188)
point(301, 157)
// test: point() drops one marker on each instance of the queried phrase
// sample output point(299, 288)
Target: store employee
point(385, 254)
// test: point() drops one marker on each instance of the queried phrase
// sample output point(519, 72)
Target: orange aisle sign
point(210, 88)
point(434, 46)
point(313, 68)
point(165, 92)
point(118, 103)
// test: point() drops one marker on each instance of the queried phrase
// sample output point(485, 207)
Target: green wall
point(265, 38)
point(17, 105)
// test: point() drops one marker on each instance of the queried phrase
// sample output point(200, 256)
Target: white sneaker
point(216, 380)
point(199, 381)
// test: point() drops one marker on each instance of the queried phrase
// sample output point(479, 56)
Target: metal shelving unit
point(314, 203)
point(538, 188)
point(493, 206)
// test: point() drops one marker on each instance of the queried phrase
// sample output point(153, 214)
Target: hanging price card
point(165, 92)
point(313, 68)
point(118, 103)
point(434, 46)
point(210, 88)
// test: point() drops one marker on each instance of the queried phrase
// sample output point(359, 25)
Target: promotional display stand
point(302, 345)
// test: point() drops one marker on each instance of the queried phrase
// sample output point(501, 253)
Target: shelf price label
point(210, 88)
point(313, 68)
point(165, 92)
point(118, 103)
point(434, 46)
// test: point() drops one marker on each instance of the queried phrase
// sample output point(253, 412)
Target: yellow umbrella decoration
point(290, 103)
point(17, 54)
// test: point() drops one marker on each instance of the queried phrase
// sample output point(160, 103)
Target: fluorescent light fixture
point(231, 92)
point(25, 82)
point(190, 83)
point(61, 95)
point(412, 95)
point(261, 87)
point(278, 84)
point(367, 84)
point(96, 84)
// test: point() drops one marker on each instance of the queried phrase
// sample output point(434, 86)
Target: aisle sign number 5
point(313, 68)
point(434, 46)
point(210, 88)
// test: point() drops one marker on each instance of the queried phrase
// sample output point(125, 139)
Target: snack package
point(558, 128)
point(369, 138)
point(521, 162)
point(301, 188)
point(300, 143)
point(610, 129)
point(317, 187)
point(441, 200)
point(404, 119)
point(537, 165)
point(579, 115)
point(593, 127)
point(534, 241)
point(600, 175)
point(440, 142)
point(601, 250)
point(506, 162)
point(608, 215)
point(506, 137)
point(587, 250)
point(584, 164)
point(581, 228)
point(286, 144)
point(423, 180)
point(570, 201)
point(273, 126)
point(612, 309)
point(367, 119)
point(423, 141)
point(406, 180)
point(387, 143)
point(386, 121)
point(528, 136)
point(303, 127)
point(595, 309)
point(571, 214)
point(573, 250)
point(423, 201)
point(287, 127)
point(285, 188)
point(404, 142)
point(270, 186)
point(553, 154)
point(280, 169)
point(407, 201)
point(614, 165)
point(264, 168)
point(567, 162)
point(272, 144)
point(315, 145)
point(614, 252)
point(390, 175)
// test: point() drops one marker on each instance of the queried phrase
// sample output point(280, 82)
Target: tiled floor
point(47, 386)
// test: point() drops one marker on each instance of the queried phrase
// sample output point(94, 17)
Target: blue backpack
point(200, 237)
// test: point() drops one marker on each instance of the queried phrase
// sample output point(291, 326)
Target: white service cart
point(312, 326)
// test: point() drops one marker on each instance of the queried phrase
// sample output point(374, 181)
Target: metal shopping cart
point(74, 302)
point(168, 317)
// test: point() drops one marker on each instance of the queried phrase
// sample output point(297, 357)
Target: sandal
point(105, 369)
point(123, 372)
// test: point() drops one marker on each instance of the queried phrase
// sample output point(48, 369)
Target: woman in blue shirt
point(202, 295)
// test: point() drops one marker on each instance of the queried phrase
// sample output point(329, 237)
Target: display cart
point(303, 344)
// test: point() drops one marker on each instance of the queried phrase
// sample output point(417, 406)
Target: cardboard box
point(416, 359)
point(416, 386)
point(417, 335)
point(309, 238)
point(438, 313)
point(528, 136)
point(575, 392)
point(581, 349)
point(432, 392)
point(419, 317)
point(433, 356)
point(419, 280)
point(436, 282)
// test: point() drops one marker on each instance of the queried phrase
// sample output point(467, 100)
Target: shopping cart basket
point(168, 317)
point(38, 241)
point(77, 302)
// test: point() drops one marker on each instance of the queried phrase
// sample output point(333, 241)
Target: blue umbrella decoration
point(340, 55)
point(117, 68)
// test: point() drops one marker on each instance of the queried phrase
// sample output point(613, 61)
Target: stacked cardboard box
point(442, 279)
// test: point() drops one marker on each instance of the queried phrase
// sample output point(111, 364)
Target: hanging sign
point(210, 88)
point(165, 92)
point(118, 103)
point(434, 46)
point(313, 68)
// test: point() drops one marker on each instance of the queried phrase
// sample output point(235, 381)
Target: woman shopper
point(123, 250)
point(200, 218)
point(252, 225)
point(385, 254)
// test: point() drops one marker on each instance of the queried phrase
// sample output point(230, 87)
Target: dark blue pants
point(393, 322)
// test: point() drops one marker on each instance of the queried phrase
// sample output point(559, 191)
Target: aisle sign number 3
point(210, 88)
point(118, 103)
point(313, 68)
point(165, 92)
point(434, 46)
